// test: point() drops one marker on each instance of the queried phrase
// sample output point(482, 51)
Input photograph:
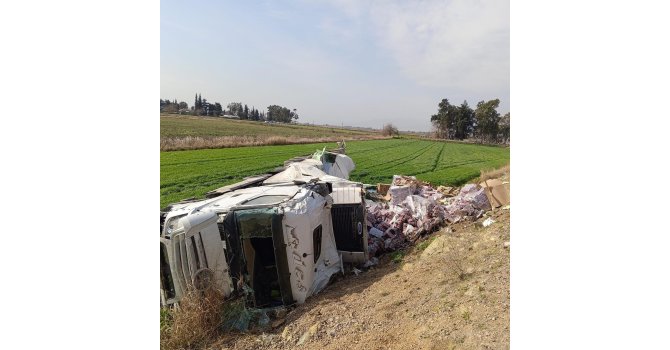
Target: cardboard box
point(382, 189)
point(497, 192)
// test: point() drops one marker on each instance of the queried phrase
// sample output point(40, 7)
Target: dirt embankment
point(450, 293)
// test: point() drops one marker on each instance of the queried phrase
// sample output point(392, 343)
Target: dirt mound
point(449, 291)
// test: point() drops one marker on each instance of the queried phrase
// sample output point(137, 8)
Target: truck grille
point(348, 226)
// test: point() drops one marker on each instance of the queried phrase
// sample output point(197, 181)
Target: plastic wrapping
point(416, 208)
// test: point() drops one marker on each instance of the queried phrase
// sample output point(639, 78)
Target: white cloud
point(461, 44)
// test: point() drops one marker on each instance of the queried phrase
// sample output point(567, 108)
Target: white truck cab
point(282, 240)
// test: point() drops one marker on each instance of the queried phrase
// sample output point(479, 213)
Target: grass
point(397, 256)
point(493, 173)
point(192, 173)
point(166, 318)
point(182, 126)
point(195, 323)
point(423, 245)
point(466, 315)
point(180, 132)
point(196, 142)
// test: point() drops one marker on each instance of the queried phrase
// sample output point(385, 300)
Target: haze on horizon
point(357, 63)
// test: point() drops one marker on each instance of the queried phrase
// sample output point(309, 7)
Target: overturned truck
point(276, 238)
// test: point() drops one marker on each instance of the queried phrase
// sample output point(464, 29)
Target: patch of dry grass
point(493, 173)
point(199, 142)
point(196, 322)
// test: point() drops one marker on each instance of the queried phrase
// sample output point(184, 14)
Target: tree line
point(275, 113)
point(484, 123)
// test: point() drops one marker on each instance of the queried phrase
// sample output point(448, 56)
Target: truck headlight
point(174, 224)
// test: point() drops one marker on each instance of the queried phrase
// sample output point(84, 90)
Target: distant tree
point(204, 107)
point(281, 114)
point(183, 105)
point(246, 112)
point(168, 106)
point(487, 120)
point(444, 121)
point(503, 127)
point(464, 121)
point(254, 115)
point(235, 108)
point(390, 130)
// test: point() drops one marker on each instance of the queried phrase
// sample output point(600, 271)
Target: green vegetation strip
point(187, 174)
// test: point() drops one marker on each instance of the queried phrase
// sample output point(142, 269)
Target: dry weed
point(455, 266)
point(195, 322)
point(198, 142)
point(493, 173)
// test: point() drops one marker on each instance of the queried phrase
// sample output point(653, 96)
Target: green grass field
point(181, 126)
point(187, 174)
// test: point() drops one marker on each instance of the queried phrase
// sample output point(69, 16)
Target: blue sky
point(360, 63)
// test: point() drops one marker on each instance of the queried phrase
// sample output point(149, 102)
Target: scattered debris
point(372, 262)
point(488, 222)
point(356, 271)
point(415, 208)
point(497, 192)
point(447, 191)
point(382, 189)
point(375, 232)
point(506, 244)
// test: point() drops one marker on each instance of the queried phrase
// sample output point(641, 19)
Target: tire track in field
point(393, 163)
point(395, 144)
point(246, 152)
point(397, 161)
point(454, 166)
point(370, 151)
point(437, 159)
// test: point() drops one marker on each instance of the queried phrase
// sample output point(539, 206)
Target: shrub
point(390, 130)
point(195, 322)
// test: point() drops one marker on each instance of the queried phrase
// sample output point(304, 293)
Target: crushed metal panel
point(302, 172)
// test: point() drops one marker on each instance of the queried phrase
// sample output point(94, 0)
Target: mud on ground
point(450, 294)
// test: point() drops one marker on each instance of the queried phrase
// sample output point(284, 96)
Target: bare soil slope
point(451, 294)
